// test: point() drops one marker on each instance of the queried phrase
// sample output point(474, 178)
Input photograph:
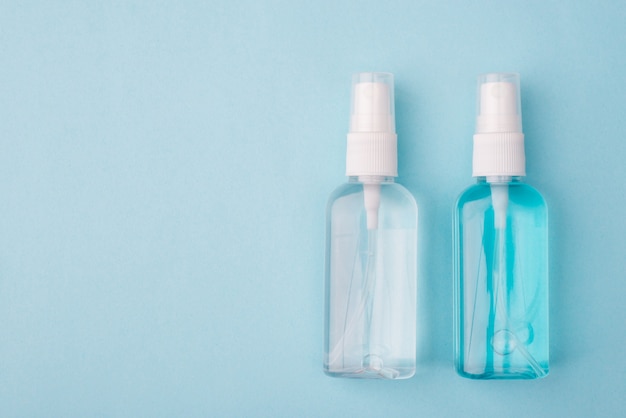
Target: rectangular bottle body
point(371, 278)
point(501, 283)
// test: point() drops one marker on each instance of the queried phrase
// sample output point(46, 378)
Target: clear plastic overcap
point(372, 103)
point(499, 105)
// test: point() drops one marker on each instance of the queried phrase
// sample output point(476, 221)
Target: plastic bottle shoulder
point(519, 193)
point(389, 191)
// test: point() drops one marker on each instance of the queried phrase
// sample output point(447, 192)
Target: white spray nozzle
point(372, 141)
point(372, 103)
point(499, 141)
point(498, 106)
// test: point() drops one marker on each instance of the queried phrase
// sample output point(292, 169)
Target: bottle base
point(386, 373)
point(505, 374)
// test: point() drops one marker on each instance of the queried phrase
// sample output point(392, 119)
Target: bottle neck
point(498, 179)
point(371, 179)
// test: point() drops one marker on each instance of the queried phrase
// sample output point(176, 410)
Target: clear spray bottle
point(501, 248)
point(371, 253)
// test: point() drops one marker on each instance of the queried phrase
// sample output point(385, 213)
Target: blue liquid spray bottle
point(501, 248)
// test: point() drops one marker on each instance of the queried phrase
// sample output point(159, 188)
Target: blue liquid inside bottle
point(501, 281)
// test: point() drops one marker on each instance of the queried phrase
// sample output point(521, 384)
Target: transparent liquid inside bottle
point(371, 284)
point(501, 289)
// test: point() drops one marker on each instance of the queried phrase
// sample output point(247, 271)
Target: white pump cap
point(499, 141)
point(372, 141)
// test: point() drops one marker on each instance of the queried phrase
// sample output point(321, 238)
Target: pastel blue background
point(164, 170)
